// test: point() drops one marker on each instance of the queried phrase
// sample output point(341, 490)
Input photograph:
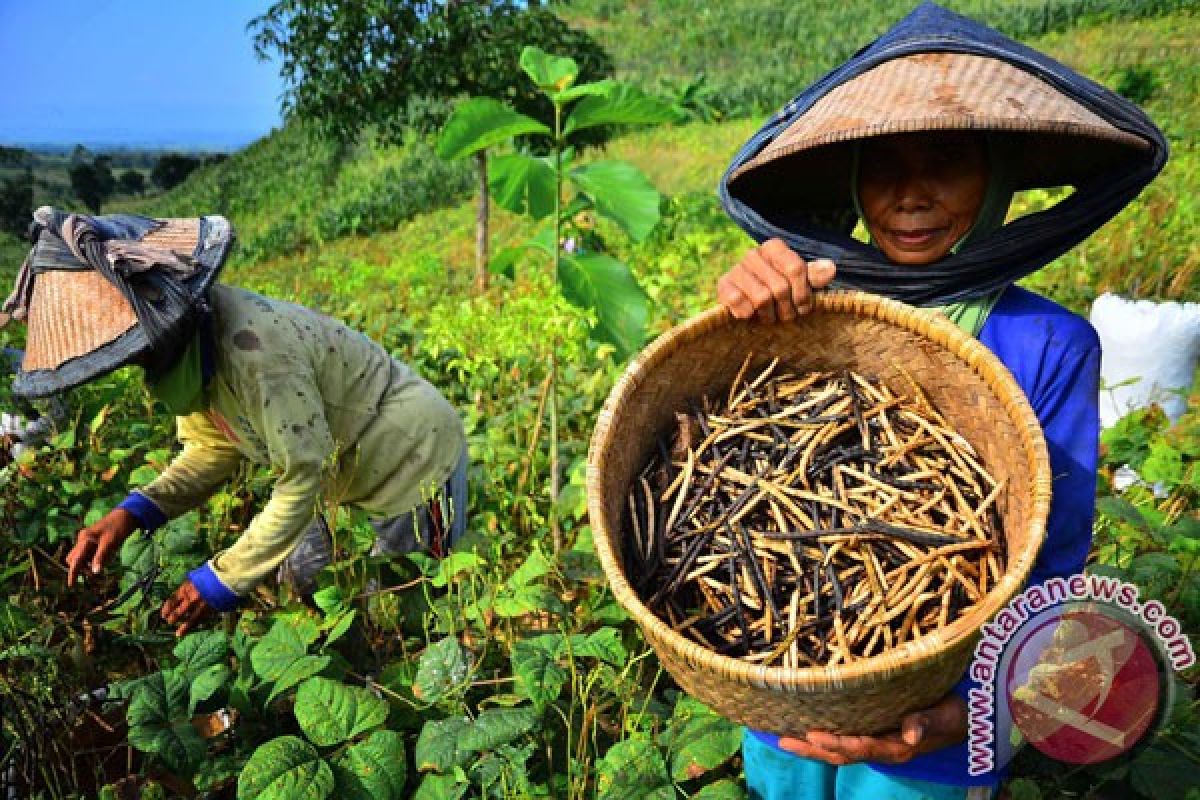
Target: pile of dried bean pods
point(812, 520)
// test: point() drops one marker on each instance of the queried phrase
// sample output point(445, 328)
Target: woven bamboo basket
point(889, 341)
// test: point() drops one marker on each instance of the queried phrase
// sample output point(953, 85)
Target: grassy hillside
point(755, 54)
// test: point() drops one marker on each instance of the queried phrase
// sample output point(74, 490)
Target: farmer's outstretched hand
point(95, 544)
point(772, 282)
point(186, 608)
point(939, 726)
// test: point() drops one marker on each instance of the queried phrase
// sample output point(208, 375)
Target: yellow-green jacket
point(329, 411)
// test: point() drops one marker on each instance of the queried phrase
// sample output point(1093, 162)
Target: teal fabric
point(773, 774)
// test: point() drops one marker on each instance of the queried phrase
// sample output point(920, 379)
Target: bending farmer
point(250, 379)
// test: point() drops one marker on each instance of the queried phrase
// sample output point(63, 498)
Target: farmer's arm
point(301, 450)
point(206, 461)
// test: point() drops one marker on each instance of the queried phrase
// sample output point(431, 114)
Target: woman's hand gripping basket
point(849, 333)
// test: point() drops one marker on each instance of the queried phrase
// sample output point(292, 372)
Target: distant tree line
point(94, 178)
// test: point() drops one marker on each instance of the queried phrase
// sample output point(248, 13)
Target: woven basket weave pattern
point(939, 91)
point(891, 342)
point(74, 312)
point(70, 314)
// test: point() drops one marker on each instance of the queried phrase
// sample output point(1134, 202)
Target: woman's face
point(921, 192)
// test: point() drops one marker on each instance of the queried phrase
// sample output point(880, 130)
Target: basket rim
point(914, 655)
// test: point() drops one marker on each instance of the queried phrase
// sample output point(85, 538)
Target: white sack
point(1156, 343)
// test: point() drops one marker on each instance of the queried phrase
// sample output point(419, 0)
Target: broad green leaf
point(179, 537)
point(341, 625)
point(526, 600)
point(329, 600)
point(300, 669)
point(621, 104)
point(282, 656)
point(495, 727)
point(276, 651)
point(218, 771)
point(535, 665)
point(543, 240)
point(139, 554)
point(330, 713)
point(160, 722)
point(437, 746)
point(205, 683)
point(582, 90)
point(533, 567)
point(286, 768)
point(480, 123)
point(373, 769)
point(603, 284)
point(1120, 509)
point(604, 644)
point(443, 667)
point(198, 651)
point(622, 193)
point(522, 184)
point(699, 739)
point(1163, 773)
point(633, 770)
point(723, 789)
point(441, 787)
point(548, 72)
point(453, 565)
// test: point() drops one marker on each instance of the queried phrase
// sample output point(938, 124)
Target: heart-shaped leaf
point(620, 104)
point(442, 669)
point(286, 768)
point(437, 746)
point(548, 72)
point(160, 722)
point(700, 740)
point(330, 713)
point(281, 657)
point(633, 770)
point(522, 184)
point(198, 651)
point(622, 193)
point(373, 769)
point(601, 283)
point(535, 664)
point(482, 122)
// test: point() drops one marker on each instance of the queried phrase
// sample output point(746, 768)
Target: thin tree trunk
point(481, 226)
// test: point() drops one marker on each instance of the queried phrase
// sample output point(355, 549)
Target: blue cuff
point(211, 588)
point(149, 516)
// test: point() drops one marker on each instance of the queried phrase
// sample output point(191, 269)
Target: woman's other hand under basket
point(941, 725)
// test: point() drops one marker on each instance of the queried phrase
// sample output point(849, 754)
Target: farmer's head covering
point(936, 70)
point(98, 293)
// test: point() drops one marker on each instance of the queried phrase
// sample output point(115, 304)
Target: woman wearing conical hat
point(922, 138)
point(250, 379)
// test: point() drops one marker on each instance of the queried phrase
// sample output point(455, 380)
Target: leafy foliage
point(507, 669)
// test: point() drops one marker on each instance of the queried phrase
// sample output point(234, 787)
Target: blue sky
point(165, 73)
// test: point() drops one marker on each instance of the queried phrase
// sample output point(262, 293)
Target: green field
point(508, 670)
